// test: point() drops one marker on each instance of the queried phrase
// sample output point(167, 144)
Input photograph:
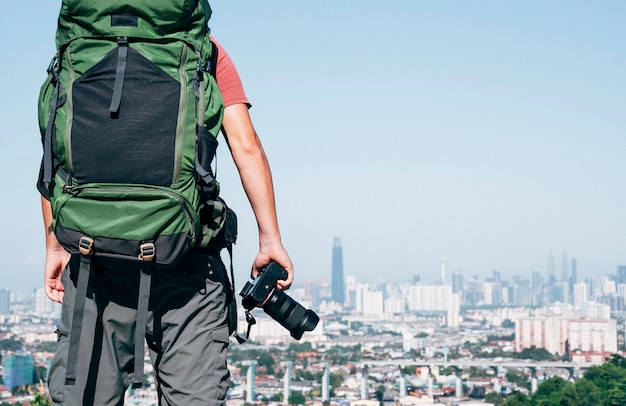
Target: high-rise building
point(18, 370)
point(573, 271)
point(5, 301)
point(564, 267)
point(621, 274)
point(337, 283)
point(580, 294)
point(457, 282)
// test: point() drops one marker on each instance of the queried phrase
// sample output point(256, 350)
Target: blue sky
point(490, 133)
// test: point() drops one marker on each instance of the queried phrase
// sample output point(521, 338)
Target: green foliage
point(39, 400)
point(508, 323)
point(495, 398)
point(534, 353)
point(48, 346)
point(335, 380)
point(297, 398)
point(11, 344)
point(510, 337)
point(300, 347)
point(603, 385)
point(518, 378)
point(517, 399)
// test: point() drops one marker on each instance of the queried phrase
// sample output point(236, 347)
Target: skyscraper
point(457, 282)
point(621, 274)
point(18, 370)
point(337, 284)
point(5, 301)
point(564, 268)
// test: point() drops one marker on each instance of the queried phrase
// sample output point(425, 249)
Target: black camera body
point(262, 293)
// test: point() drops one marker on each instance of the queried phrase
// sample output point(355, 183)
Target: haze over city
point(488, 133)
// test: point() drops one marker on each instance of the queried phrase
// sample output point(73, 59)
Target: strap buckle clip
point(147, 251)
point(85, 246)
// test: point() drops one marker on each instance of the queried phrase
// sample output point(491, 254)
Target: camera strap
point(251, 322)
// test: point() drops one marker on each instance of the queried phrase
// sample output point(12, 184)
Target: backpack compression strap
point(145, 278)
point(49, 158)
point(86, 251)
point(120, 72)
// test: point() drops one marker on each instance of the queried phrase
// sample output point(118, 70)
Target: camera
point(262, 293)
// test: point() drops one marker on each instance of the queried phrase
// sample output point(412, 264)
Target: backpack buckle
point(85, 246)
point(146, 251)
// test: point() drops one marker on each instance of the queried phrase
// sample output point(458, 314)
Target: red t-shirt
point(228, 79)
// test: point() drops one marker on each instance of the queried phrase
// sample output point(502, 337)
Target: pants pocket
point(56, 376)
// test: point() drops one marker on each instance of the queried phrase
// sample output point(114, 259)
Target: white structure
point(549, 333)
point(287, 381)
point(596, 311)
point(581, 291)
point(45, 307)
point(443, 270)
point(555, 333)
point(608, 286)
point(369, 302)
point(425, 298)
point(593, 335)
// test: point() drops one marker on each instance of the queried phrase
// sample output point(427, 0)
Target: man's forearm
point(254, 170)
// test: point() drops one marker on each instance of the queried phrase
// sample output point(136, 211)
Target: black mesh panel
point(135, 145)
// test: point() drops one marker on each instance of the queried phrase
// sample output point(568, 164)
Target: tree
point(551, 392)
point(534, 353)
point(508, 323)
point(297, 398)
point(495, 398)
point(517, 399)
point(617, 396)
point(11, 344)
point(39, 400)
point(265, 359)
point(588, 393)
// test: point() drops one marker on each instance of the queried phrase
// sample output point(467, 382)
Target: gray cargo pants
point(187, 335)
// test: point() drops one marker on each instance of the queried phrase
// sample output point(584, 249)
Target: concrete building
point(549, 333)
point(5, 301)
point(18, 369)
point(558, 334)
point(593, 335)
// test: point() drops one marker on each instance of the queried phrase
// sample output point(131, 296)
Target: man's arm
point(256, 178)
point(56, 257)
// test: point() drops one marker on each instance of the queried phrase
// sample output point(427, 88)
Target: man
point(187, 329)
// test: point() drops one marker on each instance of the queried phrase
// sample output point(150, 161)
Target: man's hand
point(278, 254)
point(56, 260)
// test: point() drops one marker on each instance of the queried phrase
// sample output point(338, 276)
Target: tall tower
point(443, 270)
point(564, 267)
point(337, 293)
point(621, 274)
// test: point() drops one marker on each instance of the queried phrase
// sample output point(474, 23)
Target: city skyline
point(429, 276)
point(487, 133)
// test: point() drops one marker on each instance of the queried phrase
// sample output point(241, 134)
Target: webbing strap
point(48, 155)
point(145, 279)
point(77, 318)
point(120, 72)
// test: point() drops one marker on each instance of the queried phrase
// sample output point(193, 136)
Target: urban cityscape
point(461, 340)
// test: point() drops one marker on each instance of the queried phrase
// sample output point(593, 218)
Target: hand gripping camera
point(262, 293)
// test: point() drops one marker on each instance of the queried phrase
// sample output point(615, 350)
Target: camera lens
point(290, 314)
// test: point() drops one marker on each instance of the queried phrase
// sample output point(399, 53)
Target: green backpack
point(129, 116)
